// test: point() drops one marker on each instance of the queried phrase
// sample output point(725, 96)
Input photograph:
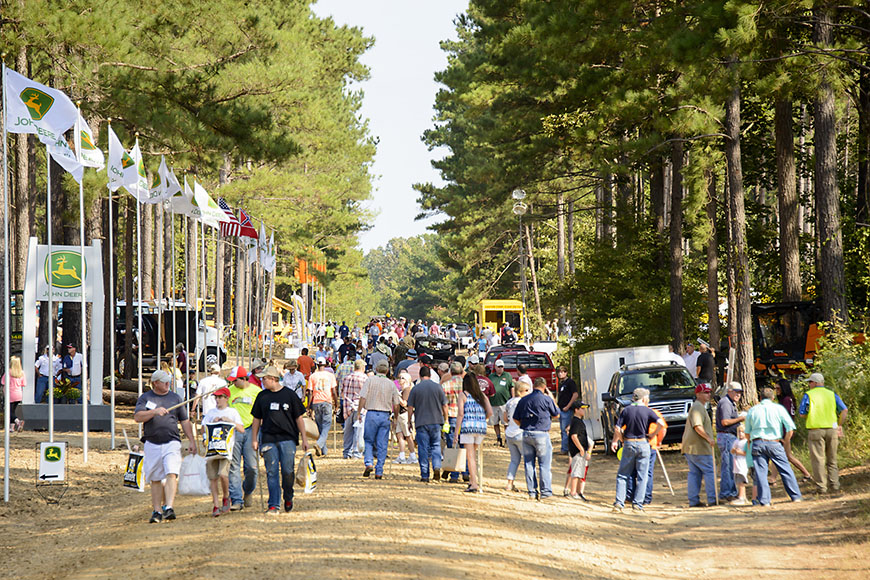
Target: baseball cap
point(257, 363)
point(499, 363)
point(578, 404)
point(817, 378)
point(703, 388)
point(321, 360)
point(411, 352)
point(735, 386)
point(215, 368)
point(382, 366)
point(222, 392)
point(238, 373)
point(160, 377)
point(473, 359)
point(271, 371)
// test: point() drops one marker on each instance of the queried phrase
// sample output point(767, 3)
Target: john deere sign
point(65, 269)
point(37, 102)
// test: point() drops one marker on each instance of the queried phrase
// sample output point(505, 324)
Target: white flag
point(66, 158)
point(269, 262)
point(35, 108)
point(166, 187)
point(210, 212)
point(182, 201)
point(122, 167)
point(86, 146)
point(138, 186)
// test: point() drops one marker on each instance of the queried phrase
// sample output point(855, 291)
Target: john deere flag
point(168, 185)
point(122, 167)
point(66, 157)
point(182, 202)
point(210, 212)
point(139, 187)
point(35, 108)
point(86, 146)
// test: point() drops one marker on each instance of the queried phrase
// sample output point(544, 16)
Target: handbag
point(192, 478)
point(454, 459)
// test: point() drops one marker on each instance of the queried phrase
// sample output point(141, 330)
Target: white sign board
point(52, 462)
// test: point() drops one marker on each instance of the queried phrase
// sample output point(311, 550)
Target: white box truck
point(597, 369)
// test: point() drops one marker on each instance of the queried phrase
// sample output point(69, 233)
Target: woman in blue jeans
point(514, 435)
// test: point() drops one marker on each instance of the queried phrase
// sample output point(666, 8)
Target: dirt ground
point(352, 527)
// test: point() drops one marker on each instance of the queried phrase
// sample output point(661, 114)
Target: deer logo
point(66, 269)
point(62, 270)
point(37, 102)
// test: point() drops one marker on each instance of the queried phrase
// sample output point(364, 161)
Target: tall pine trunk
point(832, 280)
point(863, 202)
point(712, 264)
point(789, 254)
point(560, 236)
point(129, 274)
point(678, 337)
point(744, 366)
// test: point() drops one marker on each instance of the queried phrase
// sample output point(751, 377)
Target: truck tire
point(608, 436)
point(211, 356)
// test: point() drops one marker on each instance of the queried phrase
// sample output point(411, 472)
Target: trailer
point(598, 368)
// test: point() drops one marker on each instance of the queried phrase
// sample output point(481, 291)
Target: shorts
point(402, 425)
point(215, 468)
point(161, 460)
point(579, 466)
point(497, 416)
point(740, 478)
point(470, 438)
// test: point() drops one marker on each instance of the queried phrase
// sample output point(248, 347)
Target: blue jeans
point(764, 451)
point(76, 383)
point(632, 481)
point(564, 422)
point(41, 389)
point(635, 458)
point(243, 451)
point(323, 418)
point(727, 487)
point(377, 436)
point(515, 446)
point(428, 447)
point(283, 452)
point(350, 435)
point(537, 446)
point(701, 466)
point(454, 475)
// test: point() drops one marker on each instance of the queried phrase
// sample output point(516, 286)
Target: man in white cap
point(162, 442)
point(727, 420)
point(242, 397)
point(820, 405)
point(206, 387)
point(323, 397)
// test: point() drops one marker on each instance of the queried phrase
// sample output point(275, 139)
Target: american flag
point(247, 228)
point(233, 228)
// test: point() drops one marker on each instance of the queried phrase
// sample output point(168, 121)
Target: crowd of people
point(379, 388)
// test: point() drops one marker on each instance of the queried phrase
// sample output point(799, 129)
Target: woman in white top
point(513, 434)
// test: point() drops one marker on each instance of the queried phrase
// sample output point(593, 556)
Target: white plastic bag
point(192, 479)
point(359, 435)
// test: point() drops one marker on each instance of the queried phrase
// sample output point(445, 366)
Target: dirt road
point(400, 528)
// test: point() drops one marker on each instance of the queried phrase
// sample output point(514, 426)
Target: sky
point(399, 99)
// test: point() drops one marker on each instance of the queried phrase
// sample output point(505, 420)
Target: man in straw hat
point(162, 442)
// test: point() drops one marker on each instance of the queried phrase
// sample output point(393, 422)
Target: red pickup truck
point(538, 364)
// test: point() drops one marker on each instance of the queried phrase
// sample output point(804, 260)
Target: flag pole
point(7, 314)
point(172, 292)
point(111, 315)
point(186, 306)
point(85, 386)
point(158, 292)
point(204, 297)
point(139, 269)
point(49, 312)
point(195, 233)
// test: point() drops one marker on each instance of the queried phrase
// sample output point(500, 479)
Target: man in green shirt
point(767, 423)
point(698, 448)
point(504, 384)
point(242, 397)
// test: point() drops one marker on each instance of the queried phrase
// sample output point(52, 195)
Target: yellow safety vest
point(822, 413)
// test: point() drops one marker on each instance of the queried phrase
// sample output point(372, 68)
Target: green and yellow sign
point(37, 102)
point(65, 269)
point(53, 453)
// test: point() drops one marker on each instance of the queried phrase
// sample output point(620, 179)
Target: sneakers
point(19, 425)
point(739, 502)
point(574, 496)
point(226, 505)
point(400, 461)
point(168, 513)
point(412, 459)
point(288, 506)
point(368, 471)
point(379, 476)
point(616, 509)
point(424, 480)
point(216, 511)
point(237, 507)
point(566, 492)
point(156, 518)
point(436, 474)
point(272, 511)
point(249, 500)
point(636, 508)
point(583, 497)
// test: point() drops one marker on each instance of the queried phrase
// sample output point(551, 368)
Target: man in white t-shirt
point(691, 360)
point(209, 384)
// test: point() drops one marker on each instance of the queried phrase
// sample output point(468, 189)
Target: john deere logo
point(86, 141)
point(66, 268)
point(52, 453)
point(38, 103)
point(126, 161)
point(141, 169)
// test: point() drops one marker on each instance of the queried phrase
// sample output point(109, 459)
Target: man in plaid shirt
point(345, 368)
point(452, 387)
point(351, 385)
